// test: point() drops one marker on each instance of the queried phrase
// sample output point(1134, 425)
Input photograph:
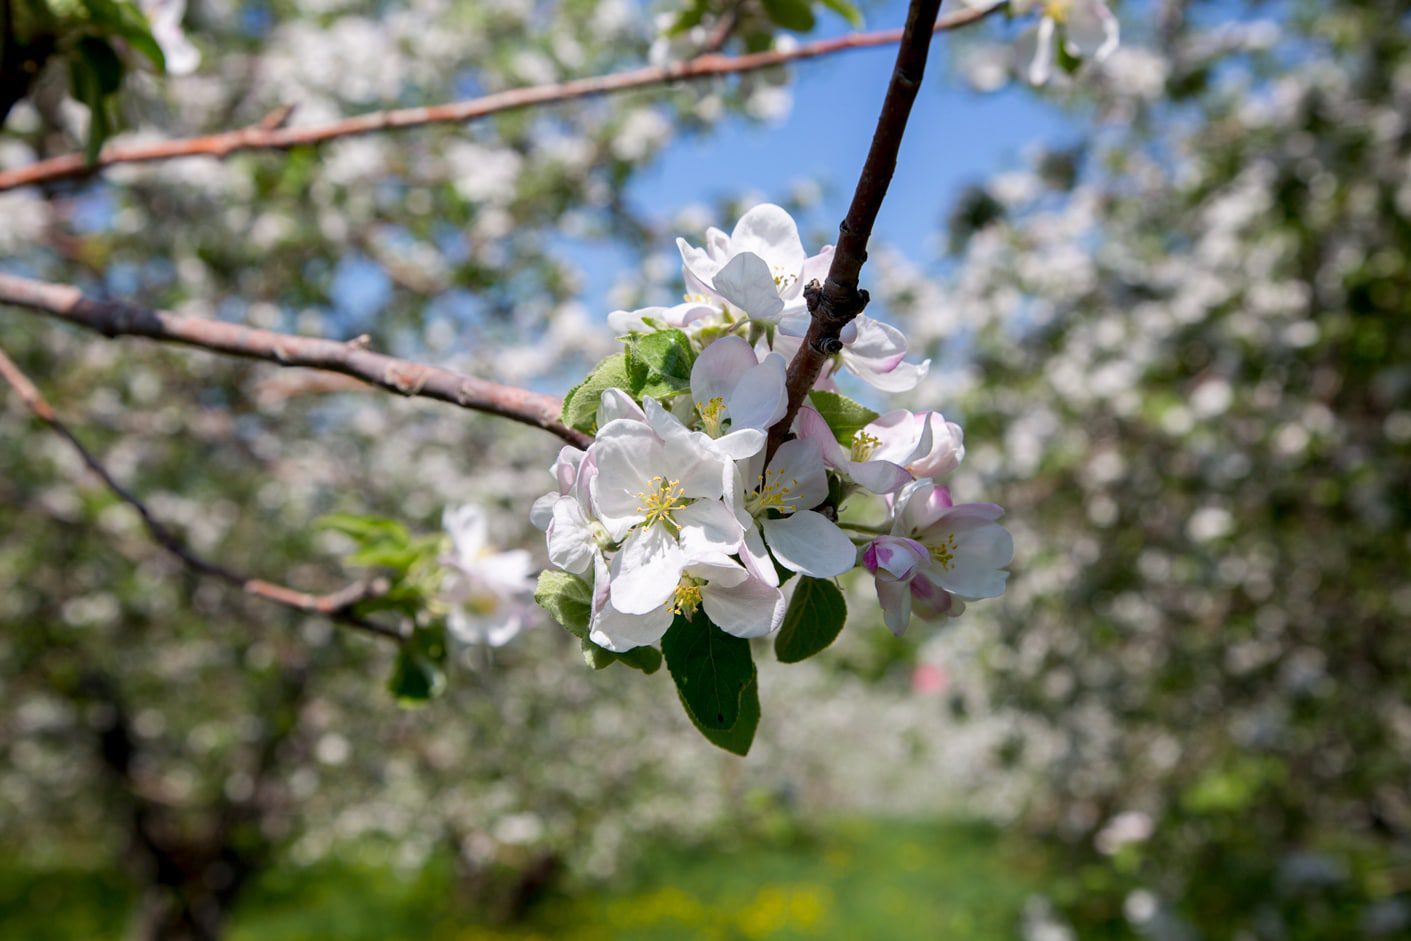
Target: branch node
point(360, 342)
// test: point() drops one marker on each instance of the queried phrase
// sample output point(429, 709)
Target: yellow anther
point(712, 414)
point(687, 597)
point(661, 498)
point(1057, 10)
point(481, 603)
point(772, 494)
point(863, 446)
point(944, 552)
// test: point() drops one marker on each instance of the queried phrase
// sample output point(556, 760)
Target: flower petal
point(751, 608)
point(720, 367)
point(1092, 31)
point(981, 550)
point(541, 514)
point(903, 377)
point(810, 426)
point(618, 631)
point(646, 571)
point(798, 466)
point(698, 268)
point(570, 538)
point(810, 543)
point(628, 455)
point(1034, 51)
point(895, 598)
point(760, 397)
point(708, 530)
point(747, 283)
point(467, 528)
point(738, 445)
point(770, 232)
point(879, 476)
point(616, 404)
point(756, 556)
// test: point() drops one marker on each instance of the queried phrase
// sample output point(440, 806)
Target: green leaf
point(689, 17)
point(100, 57)
point(790, 14)
point(815, 617)
point(659, 364)
point(569, 600)
point(366, 529)
point(712, 670)
point(420, 671)
point(139, 36)
point(580, 406)
point(385, 555)
point(1066, 60)
point(646, 659)
point(844, 416)
point(846, 10)
point(739, 738)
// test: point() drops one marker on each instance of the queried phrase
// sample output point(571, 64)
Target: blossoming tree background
point(257, 618)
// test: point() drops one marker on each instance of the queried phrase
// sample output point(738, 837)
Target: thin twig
point(337, 605)
point(351, 358)
point(259, 137)
point(835, 303)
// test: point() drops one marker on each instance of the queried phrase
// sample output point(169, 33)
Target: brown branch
point(260, 137)
point(351, 358)
point(336, 605)
point(835, 303)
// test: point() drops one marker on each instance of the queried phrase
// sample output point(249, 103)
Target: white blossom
point(487, 591)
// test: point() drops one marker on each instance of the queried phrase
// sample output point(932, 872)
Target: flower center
point(772, 494)
point(1057, 10)
point(782, 278)
point(863, 446)
point(661, 498)
point(712, 414)
point(944, 552)
point(686, 600)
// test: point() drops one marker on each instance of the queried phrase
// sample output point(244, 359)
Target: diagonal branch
point(336, 605)
point(351, 358)
point(263, 137)
point(835, 303)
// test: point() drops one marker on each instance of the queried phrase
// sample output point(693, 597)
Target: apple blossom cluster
point(678, 518)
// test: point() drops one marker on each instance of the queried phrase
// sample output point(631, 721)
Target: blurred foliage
point(852, 879)
point(1193, 389)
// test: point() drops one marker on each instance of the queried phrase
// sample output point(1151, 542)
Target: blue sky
point(955, 136)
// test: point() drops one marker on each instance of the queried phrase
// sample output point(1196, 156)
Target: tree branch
point(260, 137)
point(336, 605)
point(351, 358)
point(835, 303)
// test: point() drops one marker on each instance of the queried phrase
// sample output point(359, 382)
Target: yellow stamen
point(712, 414)
point(863, 446)
point(944, 552)
point(772, 494)
point(783, 279)
point(687, 597)
point(661, 498)
point(1057, 10)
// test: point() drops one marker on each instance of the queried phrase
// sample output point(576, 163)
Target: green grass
point(855, 879)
